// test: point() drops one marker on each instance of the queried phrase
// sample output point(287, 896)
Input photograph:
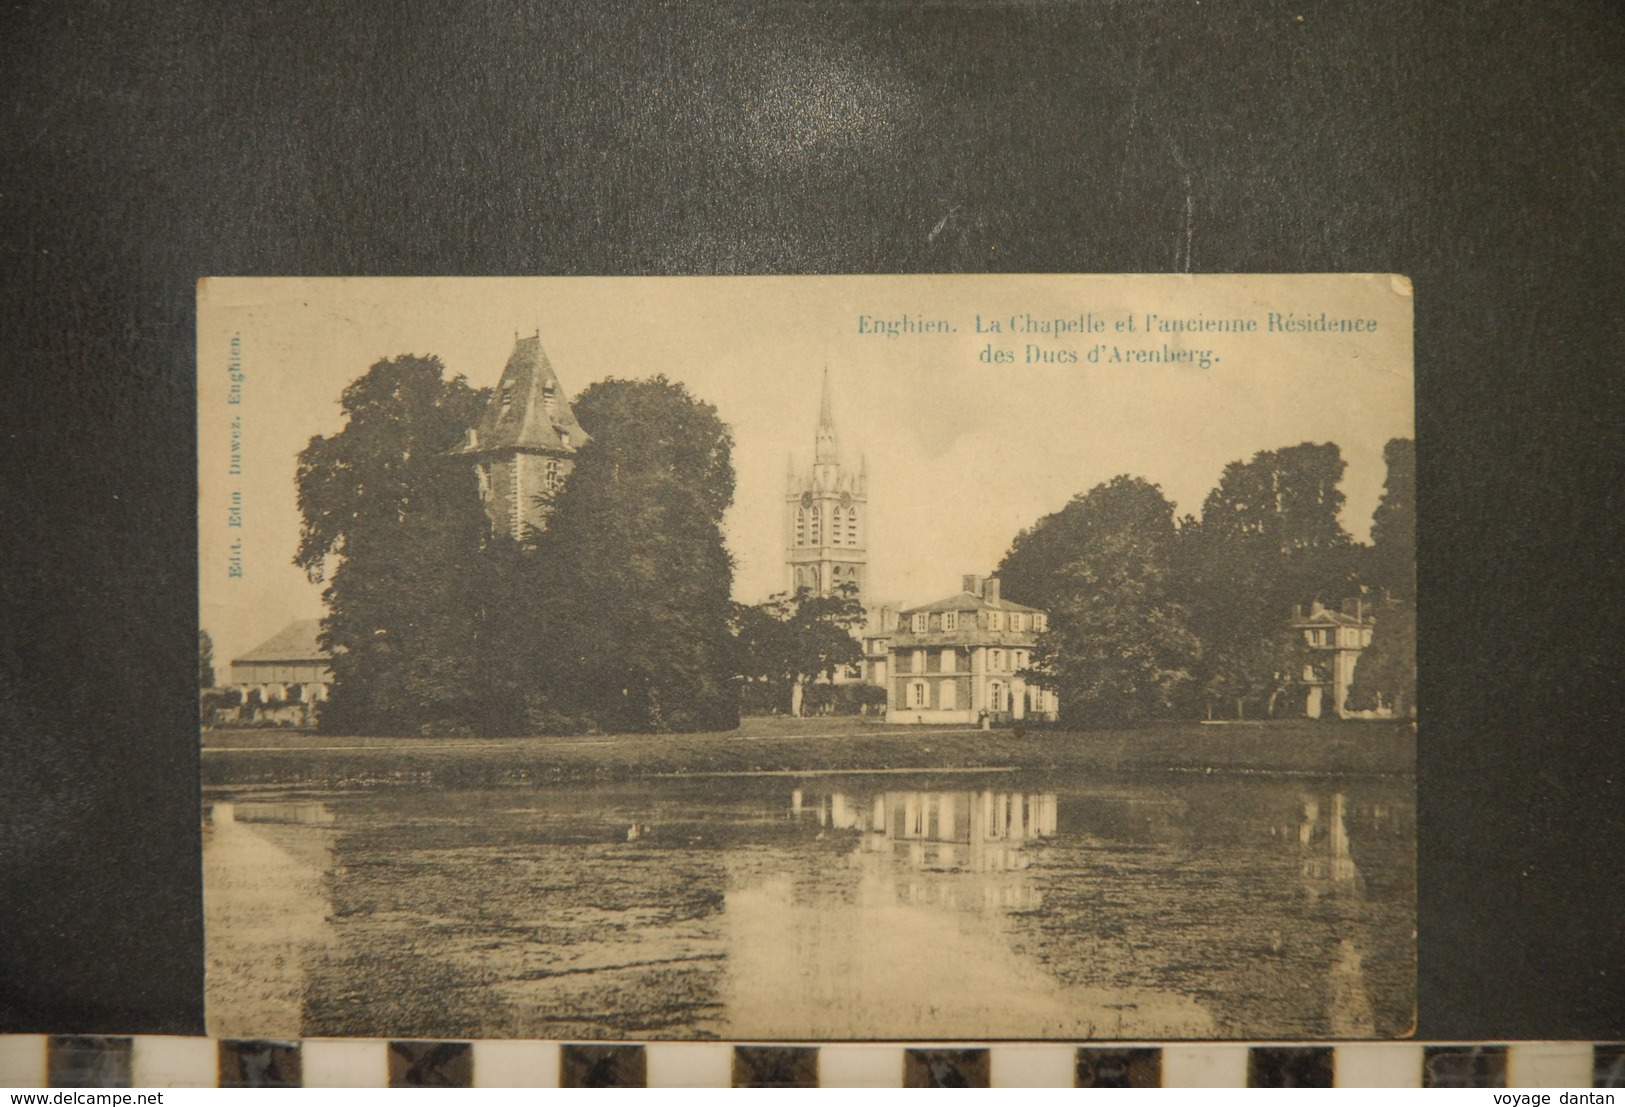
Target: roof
point(970, 601)
point(517, 418)
point(295, 642)
point(1328, 617)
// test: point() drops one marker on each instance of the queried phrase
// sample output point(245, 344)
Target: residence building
point(964, 658)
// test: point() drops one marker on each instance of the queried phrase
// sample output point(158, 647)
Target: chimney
point(990, 590)
point(972, 584)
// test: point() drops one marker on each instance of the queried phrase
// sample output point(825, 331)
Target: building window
point(916, 694)
point(919, 661)
point(813, 527)
point(996, 660)
point(950, 620)
point(551, 474)
point(549, 397)
point(917, 622)
point(993, 620)
point(507, 398)
point(948, 663)
point(1039, 621)
point(801, 526)
point(851, 526)
point(905, 663)
point(837, 520)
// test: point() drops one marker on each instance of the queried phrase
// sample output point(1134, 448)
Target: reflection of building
point(973, 831)
point(1325, 841)
point(1336, 637)
point(287, 667)
point(524, 447)
point(961, 658)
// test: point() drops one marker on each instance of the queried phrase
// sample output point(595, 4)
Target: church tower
point(826, 515)
point(525, 444)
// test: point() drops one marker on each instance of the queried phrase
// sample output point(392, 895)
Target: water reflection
point(941, 831)
point(1129, 908)
point(912, 930)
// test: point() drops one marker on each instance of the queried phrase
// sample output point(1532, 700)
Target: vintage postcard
point(808, 658)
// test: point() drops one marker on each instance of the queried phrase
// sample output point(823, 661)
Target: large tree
point(205, 660)
point(1393, 524)
point(639, 622)
point(1385, 675)
point(1117, 651)
point(1269, 538)
point(792, 640)
point(393, 521)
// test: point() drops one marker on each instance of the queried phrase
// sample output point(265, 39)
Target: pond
point(923, 906)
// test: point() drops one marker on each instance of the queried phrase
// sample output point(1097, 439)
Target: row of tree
point(617, 616)
point(1154, 617)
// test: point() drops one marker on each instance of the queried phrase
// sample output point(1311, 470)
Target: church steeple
point(827, 449)
point(826, 522)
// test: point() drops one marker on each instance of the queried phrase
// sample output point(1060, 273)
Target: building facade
point(525, 445)
point(962, 659)
point(1335, 639)
point(826, 520)
point(288, 667)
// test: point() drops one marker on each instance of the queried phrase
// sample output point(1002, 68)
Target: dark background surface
point(144, 144)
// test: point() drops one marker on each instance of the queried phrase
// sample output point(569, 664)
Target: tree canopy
point(1118, 650)
point(387, 502)
point(1269, 538)
point(1385, 674)
point(642, 576)
point(792, 640)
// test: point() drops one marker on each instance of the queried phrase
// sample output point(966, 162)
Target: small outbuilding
point(288, 667)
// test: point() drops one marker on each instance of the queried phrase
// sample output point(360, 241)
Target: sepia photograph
point(939, 658)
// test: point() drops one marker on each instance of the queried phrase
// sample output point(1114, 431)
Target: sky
point(963, 450)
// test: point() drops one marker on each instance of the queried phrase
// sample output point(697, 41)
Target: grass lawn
point(810, 746)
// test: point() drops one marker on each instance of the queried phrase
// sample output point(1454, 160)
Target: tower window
point(507, 397)
point(551, 475)
point(549, 397)
point(813, 529)
point(801, 526)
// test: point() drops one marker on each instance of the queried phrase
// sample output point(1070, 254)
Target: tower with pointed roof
point(525, 445)
point(826, 514)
